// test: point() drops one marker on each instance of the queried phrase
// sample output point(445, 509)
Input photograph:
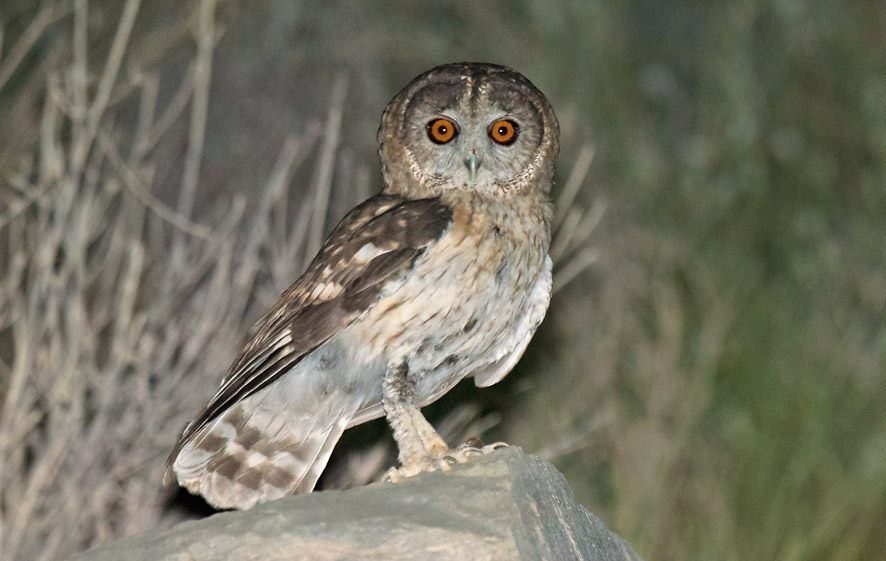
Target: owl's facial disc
point(472, 135)
point(468, 126)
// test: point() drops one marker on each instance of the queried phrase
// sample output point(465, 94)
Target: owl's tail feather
point(242, 459)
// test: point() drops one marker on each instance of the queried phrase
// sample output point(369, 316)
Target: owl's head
point(469, 126)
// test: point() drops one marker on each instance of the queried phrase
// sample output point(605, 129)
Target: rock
point(506, 505)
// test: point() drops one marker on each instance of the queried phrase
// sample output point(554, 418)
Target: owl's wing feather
point(375, 243)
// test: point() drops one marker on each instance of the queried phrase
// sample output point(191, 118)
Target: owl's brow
point(473, 86)
point(421, 98)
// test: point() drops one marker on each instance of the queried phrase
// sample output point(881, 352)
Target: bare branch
point(323, 180)
point(47, 16)
point(199, 106)
point(137, 188)
point(106, 83)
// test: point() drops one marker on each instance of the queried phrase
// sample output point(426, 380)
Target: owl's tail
point(259, 450)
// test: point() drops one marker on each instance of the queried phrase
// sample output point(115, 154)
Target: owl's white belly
point(449, 320)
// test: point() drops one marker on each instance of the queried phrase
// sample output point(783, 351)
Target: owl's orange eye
point(504, 131)
point(441, 131)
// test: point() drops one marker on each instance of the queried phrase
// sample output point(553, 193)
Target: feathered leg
point(420, 446)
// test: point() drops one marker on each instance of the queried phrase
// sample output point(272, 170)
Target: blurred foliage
point(714, 386)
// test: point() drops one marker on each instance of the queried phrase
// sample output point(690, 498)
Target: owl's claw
point(398, 474)
point(471, 449)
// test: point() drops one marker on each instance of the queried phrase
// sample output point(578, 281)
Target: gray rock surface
point(506, 505)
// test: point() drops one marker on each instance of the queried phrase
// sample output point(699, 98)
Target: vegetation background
point(710, 377)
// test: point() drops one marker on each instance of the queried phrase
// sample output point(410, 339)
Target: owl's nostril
point(473, 163)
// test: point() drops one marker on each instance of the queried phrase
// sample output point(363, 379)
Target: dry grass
point(118, 311)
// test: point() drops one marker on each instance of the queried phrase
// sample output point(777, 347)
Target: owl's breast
point(460, 307)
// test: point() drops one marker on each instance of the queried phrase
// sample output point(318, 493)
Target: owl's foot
point(420, 448)
point(398, 474)
point(473, 448)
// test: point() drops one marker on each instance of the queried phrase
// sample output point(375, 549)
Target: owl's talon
point(393, 475)
point(473, 442)
point(397, 474)
point(444, 462)
point(469, 451)
point(475, 447)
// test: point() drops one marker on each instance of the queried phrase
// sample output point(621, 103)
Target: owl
point(443, 275)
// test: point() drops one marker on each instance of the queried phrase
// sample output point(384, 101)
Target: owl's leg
point(420, 447)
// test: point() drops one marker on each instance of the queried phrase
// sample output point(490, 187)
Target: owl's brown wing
point(376, 242)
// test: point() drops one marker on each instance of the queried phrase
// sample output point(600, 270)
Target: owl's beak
point(472, 162)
